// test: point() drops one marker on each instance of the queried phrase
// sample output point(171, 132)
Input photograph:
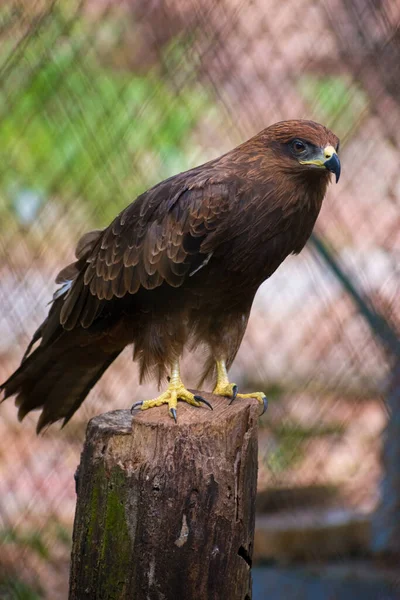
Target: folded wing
point(156, 239)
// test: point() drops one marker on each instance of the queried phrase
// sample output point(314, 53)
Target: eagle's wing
point(156, 239)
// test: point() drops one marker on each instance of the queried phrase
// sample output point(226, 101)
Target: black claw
point(172, 412)
point(234, 393)
point(265, 405)
point(136, 406)
point(201, 399)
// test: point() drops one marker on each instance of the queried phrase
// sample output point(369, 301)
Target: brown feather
point(180, 265)
point(87, 242)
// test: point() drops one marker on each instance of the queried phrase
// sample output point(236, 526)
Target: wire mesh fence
point(101, 100)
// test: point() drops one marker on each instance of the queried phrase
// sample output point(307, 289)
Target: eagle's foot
point(171, 396)
point(230, 390)
point(260, 396)
point(224, 388)
point(227, 389)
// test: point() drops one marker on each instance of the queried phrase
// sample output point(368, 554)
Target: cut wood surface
point(166, 510)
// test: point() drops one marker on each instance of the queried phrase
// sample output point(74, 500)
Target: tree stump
point(166, 510)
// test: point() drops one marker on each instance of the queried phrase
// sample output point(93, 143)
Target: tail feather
point(57, 378)
point(83, 384)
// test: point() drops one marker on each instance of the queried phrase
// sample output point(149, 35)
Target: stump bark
point(166, 511)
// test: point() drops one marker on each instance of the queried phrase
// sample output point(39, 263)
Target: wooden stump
point(166, 511)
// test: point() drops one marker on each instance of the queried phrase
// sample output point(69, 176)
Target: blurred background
point(99, 100)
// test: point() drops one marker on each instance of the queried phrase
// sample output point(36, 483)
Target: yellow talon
point(175, 391)
point(260, 396)
point(225, 388)
point(171, 397)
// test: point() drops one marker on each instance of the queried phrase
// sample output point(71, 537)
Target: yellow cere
point(327, 153)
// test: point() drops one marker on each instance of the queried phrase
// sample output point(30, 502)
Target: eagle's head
point(304, 146)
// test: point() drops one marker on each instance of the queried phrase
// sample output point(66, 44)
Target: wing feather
point(155, 239)
point(87, 242)
point(131, 256)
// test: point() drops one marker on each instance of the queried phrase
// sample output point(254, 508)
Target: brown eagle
point(180, 265)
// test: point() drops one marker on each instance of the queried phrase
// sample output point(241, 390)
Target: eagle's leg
point(175, 391)
point(224, 388)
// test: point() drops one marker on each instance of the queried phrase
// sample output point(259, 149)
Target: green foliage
point(63, 534)
point(291, 440)
point(30, 539)
point(73, 128)
point(31, 547)
point(14, 589)
point(336, 101)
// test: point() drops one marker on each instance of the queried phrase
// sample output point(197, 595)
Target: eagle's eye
point(298, 147)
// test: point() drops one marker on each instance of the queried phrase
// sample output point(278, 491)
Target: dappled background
point(100, 100)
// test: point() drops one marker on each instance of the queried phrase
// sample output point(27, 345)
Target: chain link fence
point(99, 100)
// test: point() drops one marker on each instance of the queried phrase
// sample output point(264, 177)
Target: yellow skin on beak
point(326, 159)
point(327, 154)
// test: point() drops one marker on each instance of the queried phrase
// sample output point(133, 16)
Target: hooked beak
point(333, 165)
point(328, 159)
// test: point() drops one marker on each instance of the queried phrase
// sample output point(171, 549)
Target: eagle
point(179, 267)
